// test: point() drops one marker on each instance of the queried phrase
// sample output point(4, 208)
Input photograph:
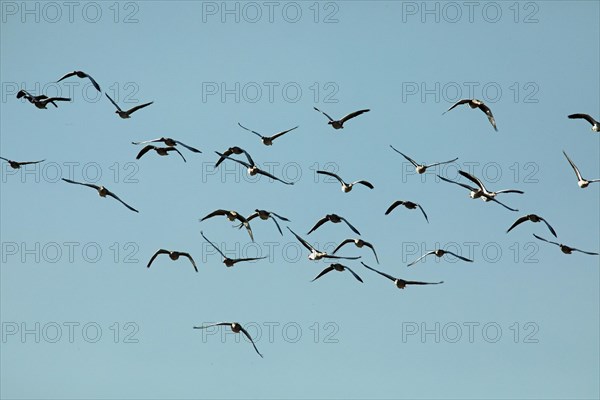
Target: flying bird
point(488, 194)
point(339, 124)
point(17, 164)
point(421, 168)
point(358, 243)
point(230, 262)
point(583, 183)
point(315, 254)
point(42, 100)
point(127, 114)
point(588, 118)
point(169, 142)
point(337, 267)
point(565, 249)
point(102, 191)
point(408, 204)
point(253, 169)
point(267, 140)
point(400, 283)
point(173, 255)
point(438, 253)
point(474, 103)
point(346, 187)
point(476, 193)
point(232, 216)
point(161, 151)
point(235, 327)
point(230, 151)
point(82, 75)
point(532, 218)
point(264, 215)
point(334, 218)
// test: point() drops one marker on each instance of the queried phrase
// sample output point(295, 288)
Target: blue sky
point(107, 327)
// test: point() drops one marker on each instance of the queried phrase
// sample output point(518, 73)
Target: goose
point(565, 249)
point(161, 151)
point(408, 204)
point(230, 262)
point(400, 283)
point(42, 100)
point(588, 118)
point(532, 218)
point(358, 243)
point(230, 151)
point(102, 191)
point(17, 164)
point(438, 253)
point(339, 124)
point(232, 216)
point(264, 215)
point(486, 192)
point(235, 327)
point(168, 142)
point(583, 183)
point(173, 255)
point(346, 187)
point(252, 168)
point(82, 75)
point(267, 140)
point(476, 193)
point(315, 254)
point(421, 168)
point(127, 114)
point(474, 103)
point(334, 218)
point(337, 267)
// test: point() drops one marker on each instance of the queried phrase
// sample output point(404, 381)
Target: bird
point(315, 254)
point(173, 255)
point(168, 142)
point(81, 74)
point(346, 187)
point(588, 118)
point(42, 100)
point(267, 140)
point(477, 193)
point(235, 327)
point(583, 183)
point(253, 169)
point(232, 150)
point(438, 253)
point(17, 164)
point(339, 124)
point(102, 191)
point(358, 243)
point(474, 103)
point(487, 193)
point(421, 168)
point(232, 216)
point(400, 283)
point(127, 114)
point(161, 151)
point(335, 219)
point(408, 204)
point(532, 218)
point(337, 267)
point(230, 262)
point(565, 249)
point(264, 215)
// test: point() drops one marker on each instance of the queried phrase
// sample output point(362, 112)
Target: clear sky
point(82, 316)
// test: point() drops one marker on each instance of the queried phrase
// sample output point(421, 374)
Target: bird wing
point(223, 156)
point(112, 101)
point(144, 151)
point(161, 251)
point(332, 175)
point(277, 224)
point(350, 225)
point(458, 103)
point(215, 213)
point(421, 283)
point(423, 211)
point(474, 180)
point(252, 341)
point(302, 241)
point(457, 183)
point(53, 99)
point(31, 162)
point(587, 117)
point(134, 109)
point(260, 171)
point(457, 256)
point(517, 222)
point(369, 245)
point(237, 260)
point(394, 205)
point(213, 245)
point(413, 162)
point(279, 216)
point(189, 257)
point(549, 227)
point(111, 194)
point(94, 82)
point(190, 148)
point(70, 74)
point(244, 222)
point(211, 325)
point(573, 166)
point(545, 240)
point(488, 113)
point(366, 183)
point(275, 136)
point(325, 114)
point(340, 258)
point(175, 149)
point(502, 204)
point(318, 224)
point(354, 274)
point(379, 272)
point(148, 141)
point(585, 252)
point(250, 130)
point(510, 191)
point(5, 159)
point(80, 183)
point(353, 114)
point(440, 163)
point(339, 246)
point(326, 270)
point(420, 258)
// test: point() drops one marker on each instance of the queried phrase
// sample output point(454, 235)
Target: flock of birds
point(169, 145)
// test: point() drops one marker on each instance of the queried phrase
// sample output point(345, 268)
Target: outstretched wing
point(369, 245)
point(215, 213)
point(457, 183)
point(545, 240)
point(458, 103)
point(302, 241)
point(421, 283)
point(318, 224)
point(250, 130)
point(517, 222)
point(379, 272)
point(350, 225)
point(457, 256)
point(190, 148)
point(211, 325)
point(31, 162)
point(252, 341)
point(326, 270)
point(161, 251)
point(585, 252)
point(178, 152)
point(366, 183)
point(332, 175)
point(80, 183)
point(189, 257)
point(489, 115)
point(354, 274)
point(144, 151)
point(549, 227)
point(420, 258)
point(112, 101)
point(275, 136)
point(573, 166)
point(440, 163)
point(111, 194)
point(325, 114)
point(339, 246)
point(353, 114)
point(587, 117)
point(93, 82)
point(223, 156)
point(134, 109)
point(213, 245)
point(279, 216)
point(423, 211)
point(148, 141)
point(260, 171)
point(413, 162)
point(473, 179)
point(277, 224)
point(394, 205)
